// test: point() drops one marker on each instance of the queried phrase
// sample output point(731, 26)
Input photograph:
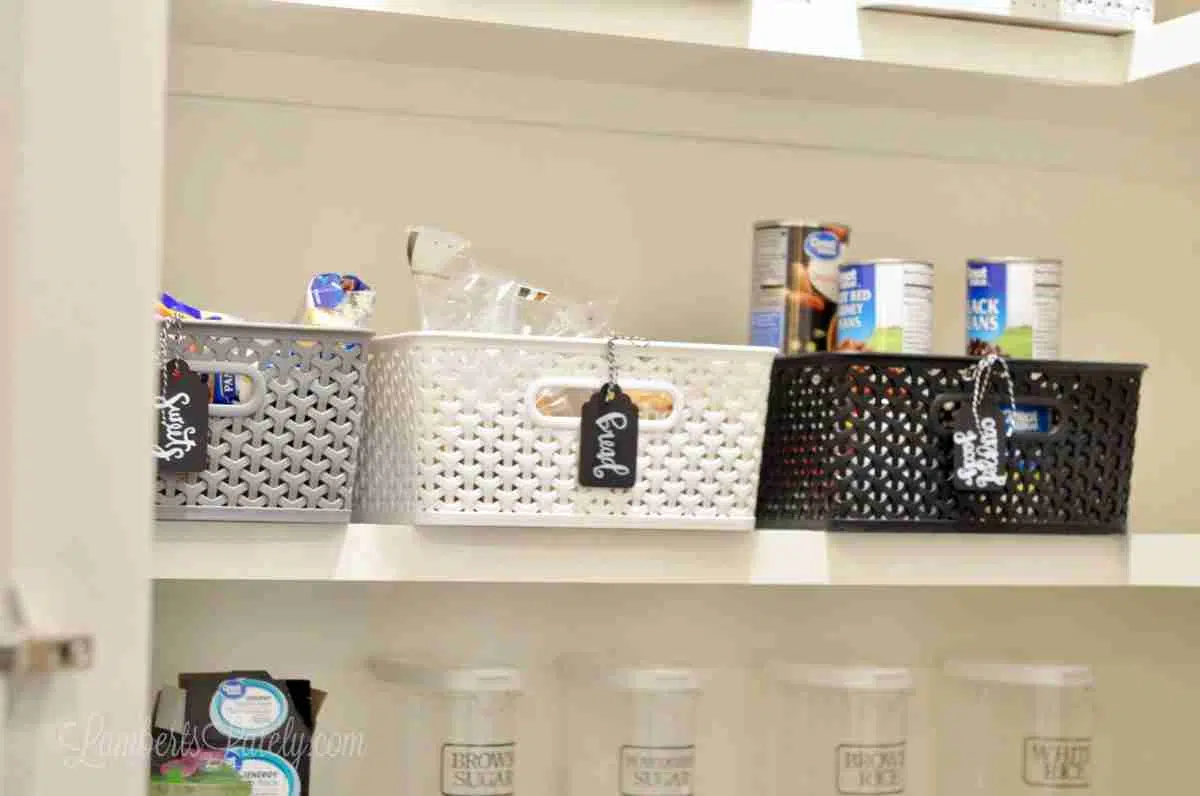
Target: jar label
point(478, 769)
point(657, 770)
point(1058, 762)
point(871, 770)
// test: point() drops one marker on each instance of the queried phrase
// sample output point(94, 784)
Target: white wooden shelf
point(820, 50)
point(381, 553)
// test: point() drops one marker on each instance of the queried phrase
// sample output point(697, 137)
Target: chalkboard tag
point(182, 408)
point(608, 440)
point(980, 450)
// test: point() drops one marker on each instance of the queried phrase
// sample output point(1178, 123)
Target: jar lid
point(657, 679)
point(848, 678)
point(464, 679)
point(1046, 675)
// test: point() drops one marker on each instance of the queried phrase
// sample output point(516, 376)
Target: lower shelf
point(393, 553)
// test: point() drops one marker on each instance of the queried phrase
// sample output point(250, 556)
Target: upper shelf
point(820, 50)
point(380, 553)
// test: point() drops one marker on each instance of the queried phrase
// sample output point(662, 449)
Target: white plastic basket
point(455, 435)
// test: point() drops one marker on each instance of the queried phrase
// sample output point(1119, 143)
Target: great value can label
point(885, 306)
point(794, 284)
point(1013, 307)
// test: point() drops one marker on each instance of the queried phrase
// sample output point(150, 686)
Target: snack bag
point(223, 388)
point(339, 301)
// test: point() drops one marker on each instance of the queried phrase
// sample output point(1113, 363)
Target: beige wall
point(261, 194)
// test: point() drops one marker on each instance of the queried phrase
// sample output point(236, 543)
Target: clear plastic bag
point(456, 293)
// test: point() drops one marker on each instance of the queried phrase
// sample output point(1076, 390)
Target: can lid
point(890, 261)
point(1048, 675)
point(796, 222)
point(464, 679)
point(848, 678)
point(657, 679)
point(1011, 259)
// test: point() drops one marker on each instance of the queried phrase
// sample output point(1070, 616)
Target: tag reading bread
point(608, 440)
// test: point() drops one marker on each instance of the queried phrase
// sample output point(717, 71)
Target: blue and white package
point(1028, 419)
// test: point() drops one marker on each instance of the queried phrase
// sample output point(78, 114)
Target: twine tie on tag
point(980, 453)
point(981, 374)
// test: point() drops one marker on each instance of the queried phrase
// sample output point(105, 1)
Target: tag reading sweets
point(182, 420)
point(980, 453)
point(608, 440)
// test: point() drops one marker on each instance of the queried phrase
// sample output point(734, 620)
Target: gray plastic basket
point(289, 451)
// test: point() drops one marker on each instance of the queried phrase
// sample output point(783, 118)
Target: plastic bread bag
point(455, 292)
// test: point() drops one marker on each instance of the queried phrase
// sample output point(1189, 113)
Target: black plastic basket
point(864, 442)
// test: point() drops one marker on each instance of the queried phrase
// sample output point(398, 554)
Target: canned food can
point(885, 306)
point(1014, 305)
point(794, 284)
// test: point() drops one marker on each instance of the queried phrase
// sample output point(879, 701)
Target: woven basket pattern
point(451, 434)
point(299, 450)
point(865, 440)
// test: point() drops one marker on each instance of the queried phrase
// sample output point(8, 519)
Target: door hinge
point(25, 651)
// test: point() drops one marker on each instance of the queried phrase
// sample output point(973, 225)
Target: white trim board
point(1021, 133)
point(396, 553)
point(673, 40)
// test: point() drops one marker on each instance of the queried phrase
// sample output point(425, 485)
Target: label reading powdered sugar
point(478, 769)
point(871, 770)
point(657, 770)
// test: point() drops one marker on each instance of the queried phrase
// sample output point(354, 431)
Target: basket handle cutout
point(556, 402)
point(1036, 418)
point(258, 387)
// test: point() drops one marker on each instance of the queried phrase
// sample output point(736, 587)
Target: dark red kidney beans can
point(794, 284)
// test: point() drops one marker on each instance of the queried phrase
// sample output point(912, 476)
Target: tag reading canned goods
point(885, 306)
point(1013, 307)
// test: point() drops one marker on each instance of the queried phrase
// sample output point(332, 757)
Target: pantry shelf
point(820, 50)
point(381, 553)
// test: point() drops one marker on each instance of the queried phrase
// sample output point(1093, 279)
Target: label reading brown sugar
point(478, 769)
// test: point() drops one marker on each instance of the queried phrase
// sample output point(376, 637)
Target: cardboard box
point(240, 733)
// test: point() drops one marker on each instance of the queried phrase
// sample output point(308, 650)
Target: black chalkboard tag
point(980, 450)
point(608, 440)
point(182, 408)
